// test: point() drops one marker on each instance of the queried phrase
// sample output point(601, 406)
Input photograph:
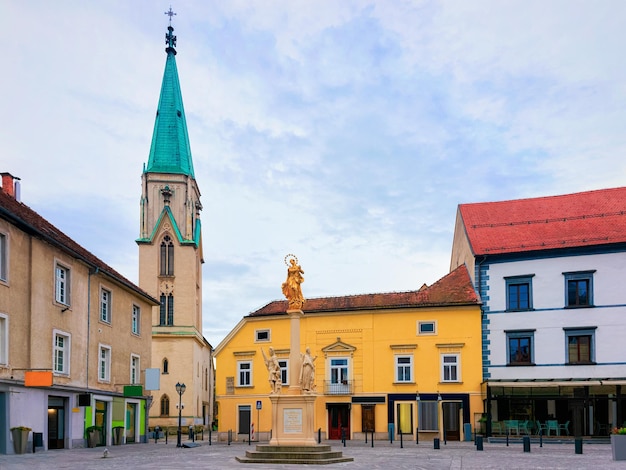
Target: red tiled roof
point(544, 223)
point(31, 222)
point(453, 289)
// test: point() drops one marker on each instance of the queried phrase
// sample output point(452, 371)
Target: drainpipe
point(96, 271)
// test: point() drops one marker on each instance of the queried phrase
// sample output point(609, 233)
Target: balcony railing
point(343, 387)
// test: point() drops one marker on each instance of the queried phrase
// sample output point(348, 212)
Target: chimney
point(9, 183)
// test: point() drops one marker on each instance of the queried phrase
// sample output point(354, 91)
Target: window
point(579, 289)
point(426, 328)
point(4, 253)
point(339, 371)
point(165, 405)
point(284, 368)
point(450, 368)
point(520, 346)
point(166, 366)
point(244, 373)
point(105, 305)
point(134, 369)
point(167, 257)
point(61, 353)
point(580, 345)
point(428, 415)
point(135, 320)
point(262, 335)
point(404, 368)
point(519, 293)
point(104, 364)
point(166, 312)
point(62, 285)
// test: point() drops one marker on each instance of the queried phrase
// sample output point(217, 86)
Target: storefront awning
point(555, 382)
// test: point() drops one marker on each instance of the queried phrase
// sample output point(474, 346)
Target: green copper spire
point(170, 151)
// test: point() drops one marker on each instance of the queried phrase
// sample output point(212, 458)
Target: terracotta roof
point(31, 222)
point(545, 223)
point(453, 289)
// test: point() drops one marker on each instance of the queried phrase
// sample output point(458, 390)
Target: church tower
point(170, 261)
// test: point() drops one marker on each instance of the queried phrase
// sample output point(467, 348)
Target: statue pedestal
point(293, 420)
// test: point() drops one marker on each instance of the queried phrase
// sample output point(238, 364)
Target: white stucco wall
point(549, 317)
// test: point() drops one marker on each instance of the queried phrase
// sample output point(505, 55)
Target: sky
point(343, 132)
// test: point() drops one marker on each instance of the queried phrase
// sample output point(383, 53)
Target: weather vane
point(170, 14)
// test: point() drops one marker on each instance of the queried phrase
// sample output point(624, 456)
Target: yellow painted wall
point(375, 338)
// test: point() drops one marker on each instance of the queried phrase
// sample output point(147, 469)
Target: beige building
point(170, 263)
point(74, 336)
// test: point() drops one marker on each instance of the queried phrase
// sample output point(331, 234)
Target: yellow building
point(75, 337)
point(389, 363)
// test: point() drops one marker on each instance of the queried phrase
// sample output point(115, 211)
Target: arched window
point(166, 366)
point(167, 256)
point(165, 405)
point(166, 312)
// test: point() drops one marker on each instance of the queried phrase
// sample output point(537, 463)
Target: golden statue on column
point(291, 287)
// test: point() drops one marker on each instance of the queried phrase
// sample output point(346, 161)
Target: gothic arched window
point(165, 405)
point(167, 256)
point(166, 366)
point(166, 310)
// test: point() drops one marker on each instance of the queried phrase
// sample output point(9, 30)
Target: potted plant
point(92, 433)
point(618, 443)
point(20, 438)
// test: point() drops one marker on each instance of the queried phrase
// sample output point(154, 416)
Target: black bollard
point(372, 439)
point(479, 442)
point(417, 436)
point(401, 441)
point(319, 436)
point(578, 445)
point(210, 432)
point(507, 438)
point(436, 443)
point(230, 436)
point(526, 443)
point(540, 438)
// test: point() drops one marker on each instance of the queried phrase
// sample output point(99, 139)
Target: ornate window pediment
point(338, 348)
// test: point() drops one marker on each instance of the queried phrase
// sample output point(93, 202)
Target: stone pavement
point(220, 456)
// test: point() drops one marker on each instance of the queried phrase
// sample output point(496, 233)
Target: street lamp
point(180, 388)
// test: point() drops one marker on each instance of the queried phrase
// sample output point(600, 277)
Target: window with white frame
point(426, 328)
point(262, 335)
point(61, 352)
point(104, 364)
point(62, 284)
point(404, 368)
point(428, 415)
point(135, 320)
point(4, 255)
point(450, 368)
point(134, 369)
point(244, 374)
point(4, 339)
point(338, 371)
point(284, 371)
point(105, 305)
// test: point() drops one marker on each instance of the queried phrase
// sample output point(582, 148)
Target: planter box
point(20, 440)
point(618, 446)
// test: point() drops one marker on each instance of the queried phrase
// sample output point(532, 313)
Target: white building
point(550, 273)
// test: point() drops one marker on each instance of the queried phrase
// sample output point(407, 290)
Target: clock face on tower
point(167, 287)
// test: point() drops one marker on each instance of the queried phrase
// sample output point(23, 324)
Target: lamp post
point(180, 388)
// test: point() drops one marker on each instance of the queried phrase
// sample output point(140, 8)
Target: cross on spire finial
point(170, 13)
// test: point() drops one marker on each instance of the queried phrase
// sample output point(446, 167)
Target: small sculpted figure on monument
point(307, 372)
point(273, 368)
